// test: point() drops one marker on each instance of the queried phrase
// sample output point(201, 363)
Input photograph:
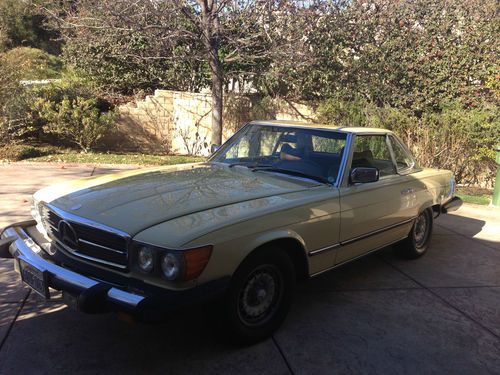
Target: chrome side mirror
point(363, 175)
point(214, 148)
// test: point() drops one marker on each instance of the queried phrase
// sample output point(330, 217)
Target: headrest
point(287, 149)
point(290, 138)
point(365, 154)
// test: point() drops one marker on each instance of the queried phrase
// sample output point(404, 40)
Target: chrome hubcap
point(420, 230)
point(259, 295)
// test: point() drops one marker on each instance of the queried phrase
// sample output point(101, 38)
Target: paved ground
point(439, 314)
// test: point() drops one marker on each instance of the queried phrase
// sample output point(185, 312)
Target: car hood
point(134, 201)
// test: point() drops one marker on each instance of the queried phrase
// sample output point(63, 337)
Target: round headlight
point(145, 259)
point(171, 265)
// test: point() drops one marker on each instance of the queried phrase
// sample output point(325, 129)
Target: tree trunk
point(211, 31)
point(217, 101)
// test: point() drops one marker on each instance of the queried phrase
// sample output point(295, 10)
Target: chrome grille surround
point(96, 242)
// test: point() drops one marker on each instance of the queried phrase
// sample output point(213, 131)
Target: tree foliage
point(32, 64)
point(428, 69)
point(456, 138)
point(191, 44)
point(23, 25)
point(414, 55)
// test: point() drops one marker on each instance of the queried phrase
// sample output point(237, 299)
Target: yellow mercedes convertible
point(277, 202)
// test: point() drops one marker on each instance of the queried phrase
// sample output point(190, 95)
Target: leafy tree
point(189, 44)
point(22, 24)
point(413, 55)
point(22, 63)
point(32, 63)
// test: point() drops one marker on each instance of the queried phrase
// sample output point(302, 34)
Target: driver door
point(373, 214)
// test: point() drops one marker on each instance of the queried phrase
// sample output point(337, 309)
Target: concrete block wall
point(180, 122)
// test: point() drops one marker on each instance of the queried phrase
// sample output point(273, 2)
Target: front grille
point(93, 244)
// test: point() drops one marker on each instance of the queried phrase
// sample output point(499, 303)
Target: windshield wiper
point(250, 166)
point(291, 172)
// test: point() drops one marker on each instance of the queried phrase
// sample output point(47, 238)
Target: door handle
point(407, 191)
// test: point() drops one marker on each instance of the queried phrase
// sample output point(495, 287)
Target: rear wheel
point(417, 242)
point(259, 296)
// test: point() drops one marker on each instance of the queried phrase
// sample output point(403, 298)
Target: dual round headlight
point(145, 259)
point(171, 264)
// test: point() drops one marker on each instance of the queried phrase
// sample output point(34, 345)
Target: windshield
point(308, 153)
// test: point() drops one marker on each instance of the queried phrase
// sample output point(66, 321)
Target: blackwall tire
point(260, 296)
point(417, 242)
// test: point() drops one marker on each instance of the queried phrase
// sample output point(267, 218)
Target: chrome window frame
point(402, 172)
point(345, 179)
point(343, 161)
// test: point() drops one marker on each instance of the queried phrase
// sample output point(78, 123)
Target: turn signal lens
point(196, 261)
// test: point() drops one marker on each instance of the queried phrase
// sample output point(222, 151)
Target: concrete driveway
point(439, 314)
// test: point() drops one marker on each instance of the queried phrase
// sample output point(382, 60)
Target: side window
point(404, 160)
point(241, 149)
point(268, 141)
point(373, 151)
point(329, 145)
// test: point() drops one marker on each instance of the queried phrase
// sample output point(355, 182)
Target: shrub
point(460, 139)
point(67, 109)
point(457, 138)
point(18, 120)
point(32, 63)
point(263, 108)
point(342, 112)
point(77, 119)
point(22, 23)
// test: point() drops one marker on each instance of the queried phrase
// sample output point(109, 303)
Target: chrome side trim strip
point(324, 249)
point(358, 238)
point(377, 231)
point(359, 256)
point(102, 247)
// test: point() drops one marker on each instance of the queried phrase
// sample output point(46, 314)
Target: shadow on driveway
point(380, 314)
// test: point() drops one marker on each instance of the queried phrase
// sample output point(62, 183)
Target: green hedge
point(456, 137)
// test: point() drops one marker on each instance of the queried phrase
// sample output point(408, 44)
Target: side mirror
point(214, 148)
point(363, 175)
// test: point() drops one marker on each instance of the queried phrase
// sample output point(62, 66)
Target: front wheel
point(417, 242)
point(260, 295)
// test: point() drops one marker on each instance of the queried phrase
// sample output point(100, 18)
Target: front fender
point(274, 235)
point(229, 254)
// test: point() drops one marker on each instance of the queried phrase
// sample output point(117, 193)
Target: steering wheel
point(311, 163)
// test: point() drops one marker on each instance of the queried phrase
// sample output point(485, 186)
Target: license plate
point(35, 278)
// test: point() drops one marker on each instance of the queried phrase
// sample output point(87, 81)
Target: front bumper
point(91, 295)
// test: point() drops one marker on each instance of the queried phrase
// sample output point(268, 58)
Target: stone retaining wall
point(180, 122)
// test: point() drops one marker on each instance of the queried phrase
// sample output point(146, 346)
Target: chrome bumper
point(18, 243)
point(452, 205)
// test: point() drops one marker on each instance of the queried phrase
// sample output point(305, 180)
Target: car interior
point(305, 157)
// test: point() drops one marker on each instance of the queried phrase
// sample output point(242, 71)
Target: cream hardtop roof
point(299, 124)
